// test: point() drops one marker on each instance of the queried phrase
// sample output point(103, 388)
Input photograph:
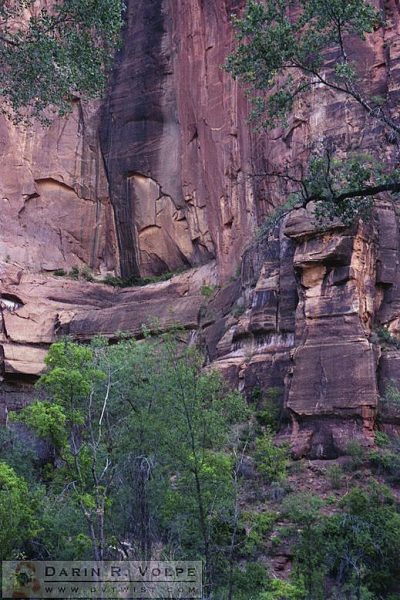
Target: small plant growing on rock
point(381, 439)
point(74, 273)
point(387, 339)
point(390, 402)
point(356, 453)
point(207, 290)
point(86, 274)
point(335, 476)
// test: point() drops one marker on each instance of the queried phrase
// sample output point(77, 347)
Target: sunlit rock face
point(160, 177)
point(54, 207)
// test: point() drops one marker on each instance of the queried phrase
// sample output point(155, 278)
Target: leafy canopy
point(283, 49)
point(290, 48)
point(17, 507)
point(48, 57)
point(141, 440)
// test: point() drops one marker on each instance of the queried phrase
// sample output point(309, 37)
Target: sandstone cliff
point(163, 175)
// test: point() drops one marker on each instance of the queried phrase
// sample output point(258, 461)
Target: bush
point(335, 476)
point(269, 407)
point(74, 273)
point(277, 491)
point(381, 439)
point(257, 526)
point(387, 339)
point(271, 460)
point(248, 583)
point(283, 590)
point(357, 455)
point(136, 281)
point(390, 403)
point(207, 290)
point(87, 274)
point(114, 281)
point(386, 462)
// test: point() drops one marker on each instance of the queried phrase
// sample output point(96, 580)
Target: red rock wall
point(55, 211)
point(175, 139)
point(160, 177)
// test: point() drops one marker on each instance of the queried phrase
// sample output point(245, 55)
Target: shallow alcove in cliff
point(10, 302)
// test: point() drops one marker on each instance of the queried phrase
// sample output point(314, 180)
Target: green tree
point(364, 545)
point(283, 590)
point(18, 521)
point(75, 421)
point(356, 547)
point(181, 425)
point(282, 50)
point(143, 429)
point(271, 459)
point(49, 57)
point(286, 50)
point(303, 509)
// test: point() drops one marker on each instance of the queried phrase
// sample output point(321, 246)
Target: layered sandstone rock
point(161, 177)
point(36, 309)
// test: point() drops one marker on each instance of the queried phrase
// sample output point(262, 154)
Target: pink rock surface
point(160, 177)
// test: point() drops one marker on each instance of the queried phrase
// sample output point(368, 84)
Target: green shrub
point(113, 281)
point(283, 590)
point(387, 339)
point(357, 455)
point(248, 583)
point(271, 460)
point(136, 281)
point(207, 290)
point(74, 273)
point(297, 466)
point(257, 526)
point(278, 490)
point(386, 462)
point(59, 273)
point(86, 273)
point(335, 476)
point(381, 439)
point(389, 403)
point(269, 407)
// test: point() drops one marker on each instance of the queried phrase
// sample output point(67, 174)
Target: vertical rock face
point(160, 177)
point(175, 140)
point(55, 211)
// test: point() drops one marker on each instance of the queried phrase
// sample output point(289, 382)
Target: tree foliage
point(18, 522)
point(49, 56)
point(283, 50)
point(141, 436)
point(289, 49)
point(352, 553)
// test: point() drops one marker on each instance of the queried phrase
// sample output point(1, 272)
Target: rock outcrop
point(176, 142)
point(55, 210)
point(163, 176)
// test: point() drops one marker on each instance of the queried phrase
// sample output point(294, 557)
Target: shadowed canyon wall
point(175, 140)
point(162, 176)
